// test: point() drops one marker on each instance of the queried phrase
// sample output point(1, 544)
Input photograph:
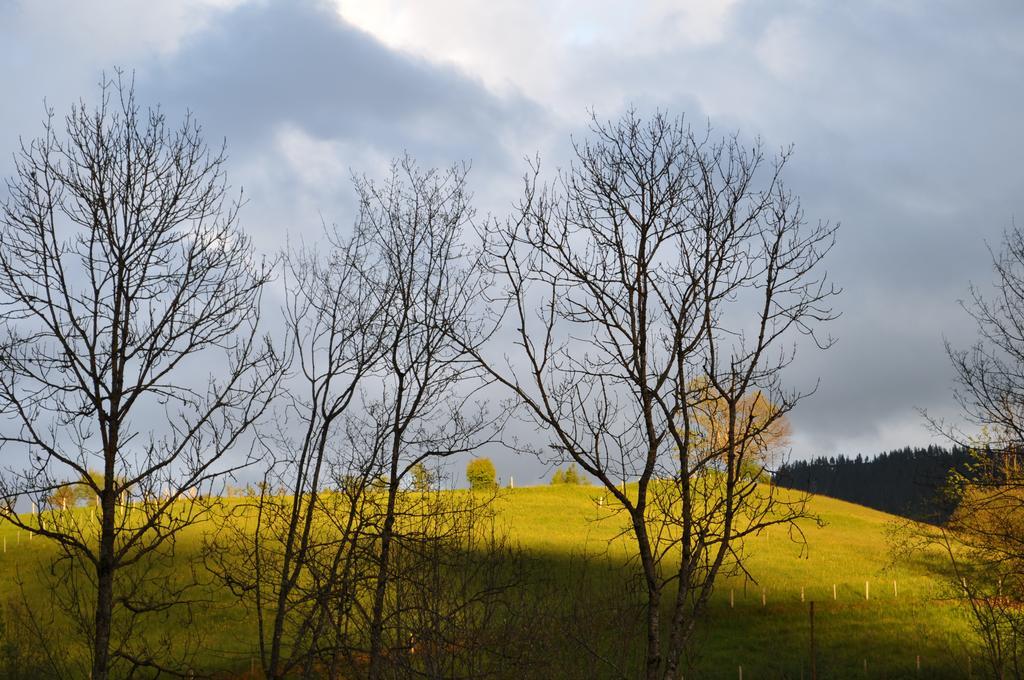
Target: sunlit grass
point(556, 525)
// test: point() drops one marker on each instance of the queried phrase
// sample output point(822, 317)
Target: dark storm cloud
point(267, 64)
point(269, 75)
point(905, 131)
point(291, 85)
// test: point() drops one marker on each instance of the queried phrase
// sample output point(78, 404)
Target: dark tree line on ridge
point(911, 482)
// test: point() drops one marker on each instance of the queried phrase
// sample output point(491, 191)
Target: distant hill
point(907, 482)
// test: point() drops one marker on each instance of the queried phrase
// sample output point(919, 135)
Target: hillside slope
point(869, 619)
point(577, 557)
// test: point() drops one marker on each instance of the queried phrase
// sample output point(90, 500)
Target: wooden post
point(867, 590)
point(741, 672)
point(764, 599)
point(919, 664)
point(833, 591)
point(801, 593)
point(895, 589)
point(732, 598)
point(814, 665)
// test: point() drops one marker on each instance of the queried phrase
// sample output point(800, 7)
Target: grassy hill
point(576, 556)
point(889, 629)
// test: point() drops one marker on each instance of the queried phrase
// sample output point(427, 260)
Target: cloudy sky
point(904, 115)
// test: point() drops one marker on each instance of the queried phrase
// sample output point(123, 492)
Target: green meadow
point(872, 618)
point(764, 626)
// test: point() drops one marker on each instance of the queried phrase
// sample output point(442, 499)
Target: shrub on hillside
point(567, 476)
point(481, 474)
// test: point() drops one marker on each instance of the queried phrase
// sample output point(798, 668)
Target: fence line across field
point(802, 592)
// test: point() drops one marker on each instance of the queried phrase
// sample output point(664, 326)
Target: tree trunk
point(104, 586)
point(683, 623)
point(377, 621)
point(653, 664)
point(679, 635)
point(387, 531)
point(653, 655)
point(273, 669)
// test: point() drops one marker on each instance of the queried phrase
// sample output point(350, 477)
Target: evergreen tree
point(908, 481)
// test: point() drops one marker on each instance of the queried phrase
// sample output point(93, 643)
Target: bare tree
point(990, 374)
point(983, 539)
point(379, 393)
point(423, 407)
point(123, 273)
point(663, 269)
point(334, 336)
point(301, 552)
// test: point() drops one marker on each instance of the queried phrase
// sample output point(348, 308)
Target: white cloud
point(782, 49)
point(539, 49)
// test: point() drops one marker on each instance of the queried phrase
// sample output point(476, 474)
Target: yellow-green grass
point(557, 525)
point(887, 627)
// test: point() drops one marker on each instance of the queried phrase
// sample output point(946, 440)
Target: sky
point(904, 117)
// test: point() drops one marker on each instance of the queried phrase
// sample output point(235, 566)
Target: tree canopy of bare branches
point(984, 537)
point(663, 269)
point(122, 267)
point(379, 391)
point(422, 409)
